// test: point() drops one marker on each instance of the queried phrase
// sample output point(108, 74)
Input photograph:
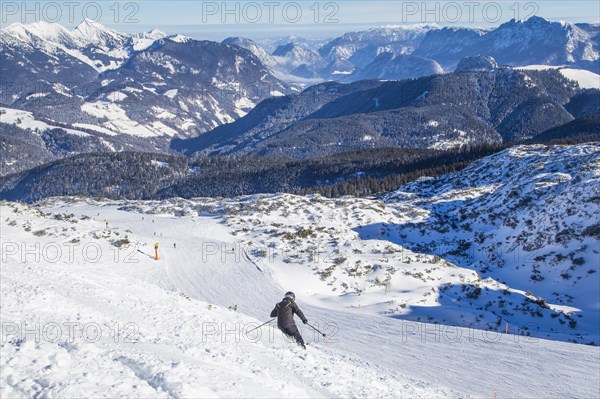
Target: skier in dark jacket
point(284, 311)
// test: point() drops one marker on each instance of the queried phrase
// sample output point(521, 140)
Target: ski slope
point(147, 328)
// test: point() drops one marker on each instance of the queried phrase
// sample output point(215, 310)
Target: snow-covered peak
point(87, 33)
point(95, 33)
point(151, 34)
point(38, 31)
point(141, 41)
point(179, 38)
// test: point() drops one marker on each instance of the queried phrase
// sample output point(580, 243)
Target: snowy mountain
point(186, 86)
point(361, 48)
point(439, 111)
point(517, 43)
point(388, 66)
point(290, 62)
point(299, 60)
point(28, 141)
point(91, 43)
point(314, 44)
point(124, 92)
point(263, 55)
point(393, 282)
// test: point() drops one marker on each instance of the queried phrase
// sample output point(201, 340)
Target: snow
point(144, 40)
point(76, 53)
point(180, 38)
point(140, 44)
point(37, 95)
point(162, 113)
point(585, 79)
point(62, 89)
point(159, 164)
point(117, 120)
point(52, 37)
point(41, 29)
point(92, 32)
point(116, 96)
point(26, 120)
point(96, 128)
point(172, 317)
point(187, 124)
point(171, 93)
point(163, 129)
point(243, 105)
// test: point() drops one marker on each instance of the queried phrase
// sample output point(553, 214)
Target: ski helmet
point(290, 295)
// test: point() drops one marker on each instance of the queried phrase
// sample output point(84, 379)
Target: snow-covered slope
point(112, 321)
point(585, 79)
point(90, 42)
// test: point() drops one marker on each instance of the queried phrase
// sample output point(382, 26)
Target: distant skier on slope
point(284, 311)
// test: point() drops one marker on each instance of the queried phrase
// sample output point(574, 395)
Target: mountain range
point(352, 56)
point(94, 89)
point(146, 85)
point(480, 103)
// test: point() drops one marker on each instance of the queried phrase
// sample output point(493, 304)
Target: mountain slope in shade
point(585, 128)
point(443, 111)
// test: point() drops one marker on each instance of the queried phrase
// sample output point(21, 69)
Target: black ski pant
point(292, 331)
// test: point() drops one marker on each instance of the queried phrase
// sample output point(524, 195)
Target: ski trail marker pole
point(264, 324)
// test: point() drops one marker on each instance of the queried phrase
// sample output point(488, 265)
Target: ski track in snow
point(169, 356)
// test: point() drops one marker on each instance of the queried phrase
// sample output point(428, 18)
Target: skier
point(284, 311)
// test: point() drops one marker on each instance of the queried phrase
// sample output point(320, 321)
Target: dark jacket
point(285, 311)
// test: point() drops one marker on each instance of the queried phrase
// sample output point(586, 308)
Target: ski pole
point(264, 324)
point(323, 334)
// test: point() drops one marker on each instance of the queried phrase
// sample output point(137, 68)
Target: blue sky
point(219, 19)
